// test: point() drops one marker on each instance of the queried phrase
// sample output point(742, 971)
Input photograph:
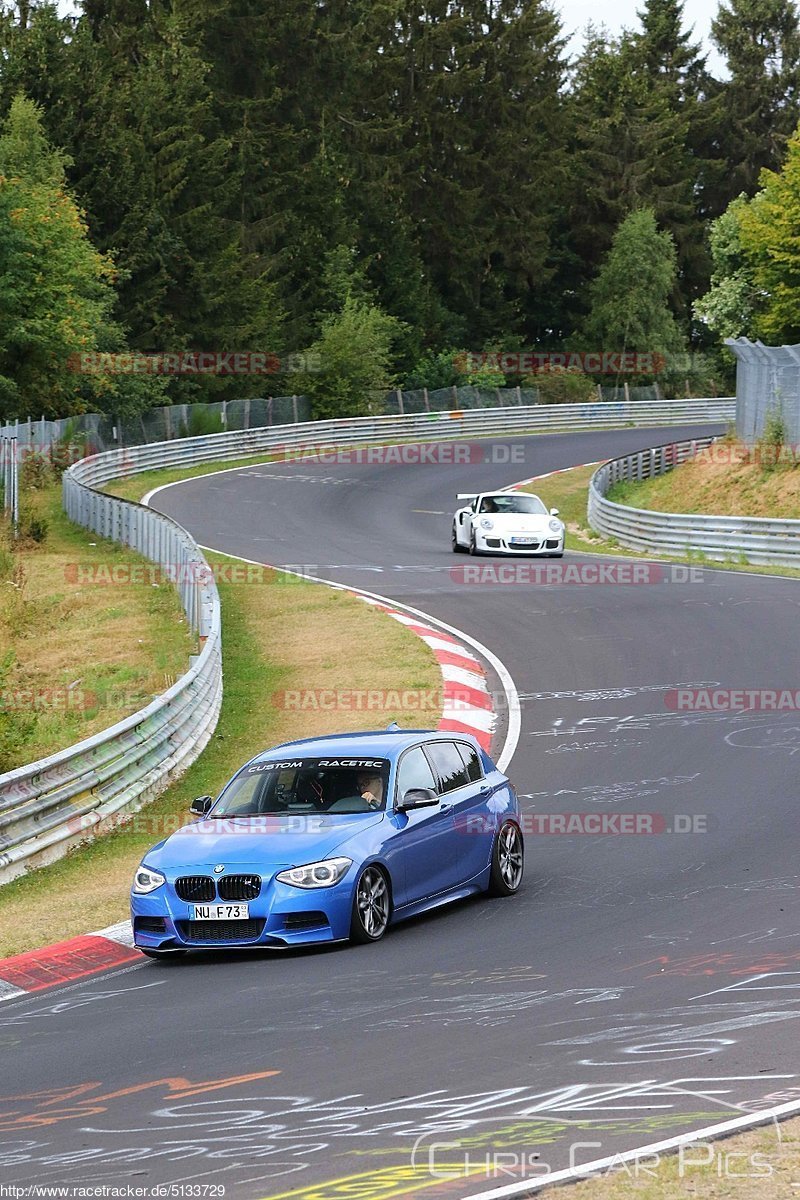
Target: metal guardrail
point(104, 431)
point(57, 802)
point(317, 436)
point(752, 539)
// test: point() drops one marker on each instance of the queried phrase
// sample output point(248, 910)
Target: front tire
point(473, 545)
point(371, 906)
point(508, 861)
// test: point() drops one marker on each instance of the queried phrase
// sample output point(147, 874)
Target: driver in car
point(370, 785)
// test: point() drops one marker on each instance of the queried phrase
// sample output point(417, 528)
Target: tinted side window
point(471, 761)
point(449, 765)
point(414, 772)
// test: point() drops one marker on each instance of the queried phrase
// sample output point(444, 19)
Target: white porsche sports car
point(507, 523)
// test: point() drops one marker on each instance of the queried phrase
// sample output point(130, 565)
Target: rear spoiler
point(467, 495)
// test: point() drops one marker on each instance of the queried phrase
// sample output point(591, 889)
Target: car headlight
point(486, 523)
point(316, 875)
point(556, 526)
point(146, 880)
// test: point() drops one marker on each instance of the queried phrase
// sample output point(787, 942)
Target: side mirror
point(553, 512)
point(418, 798)
point(201, 805)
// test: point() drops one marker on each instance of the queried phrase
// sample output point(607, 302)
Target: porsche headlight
point(146, 880)
point(316, 875)
point(555, 526)
point(486, 523)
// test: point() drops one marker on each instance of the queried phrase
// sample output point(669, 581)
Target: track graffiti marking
point(619, 693)
point(55, 1105)
point(718, 963)
point(382, 1184)
point(614, 793)
point(769, 737)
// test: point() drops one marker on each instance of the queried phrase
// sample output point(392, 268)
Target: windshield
point(306, 785)
point(509, 502)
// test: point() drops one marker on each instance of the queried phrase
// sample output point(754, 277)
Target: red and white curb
point(467, 703)
point(64, 962)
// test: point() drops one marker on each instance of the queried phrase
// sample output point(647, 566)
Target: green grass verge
point(728, 477)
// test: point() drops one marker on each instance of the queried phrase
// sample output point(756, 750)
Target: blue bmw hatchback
point(331, 838)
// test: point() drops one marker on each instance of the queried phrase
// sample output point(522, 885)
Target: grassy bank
point(725, 479)
point(77, 655)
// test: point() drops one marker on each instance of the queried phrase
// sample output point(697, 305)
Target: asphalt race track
point(638, 987)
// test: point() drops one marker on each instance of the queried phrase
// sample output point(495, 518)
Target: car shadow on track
point(470, 908)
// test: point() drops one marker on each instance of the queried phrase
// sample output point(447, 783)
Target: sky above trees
point(617, 15)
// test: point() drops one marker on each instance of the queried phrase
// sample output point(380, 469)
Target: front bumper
point(280, 916)
point(489, 543)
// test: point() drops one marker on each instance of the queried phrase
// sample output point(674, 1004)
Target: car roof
point(383, 743)
point(505, 493)
point(502, 492)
